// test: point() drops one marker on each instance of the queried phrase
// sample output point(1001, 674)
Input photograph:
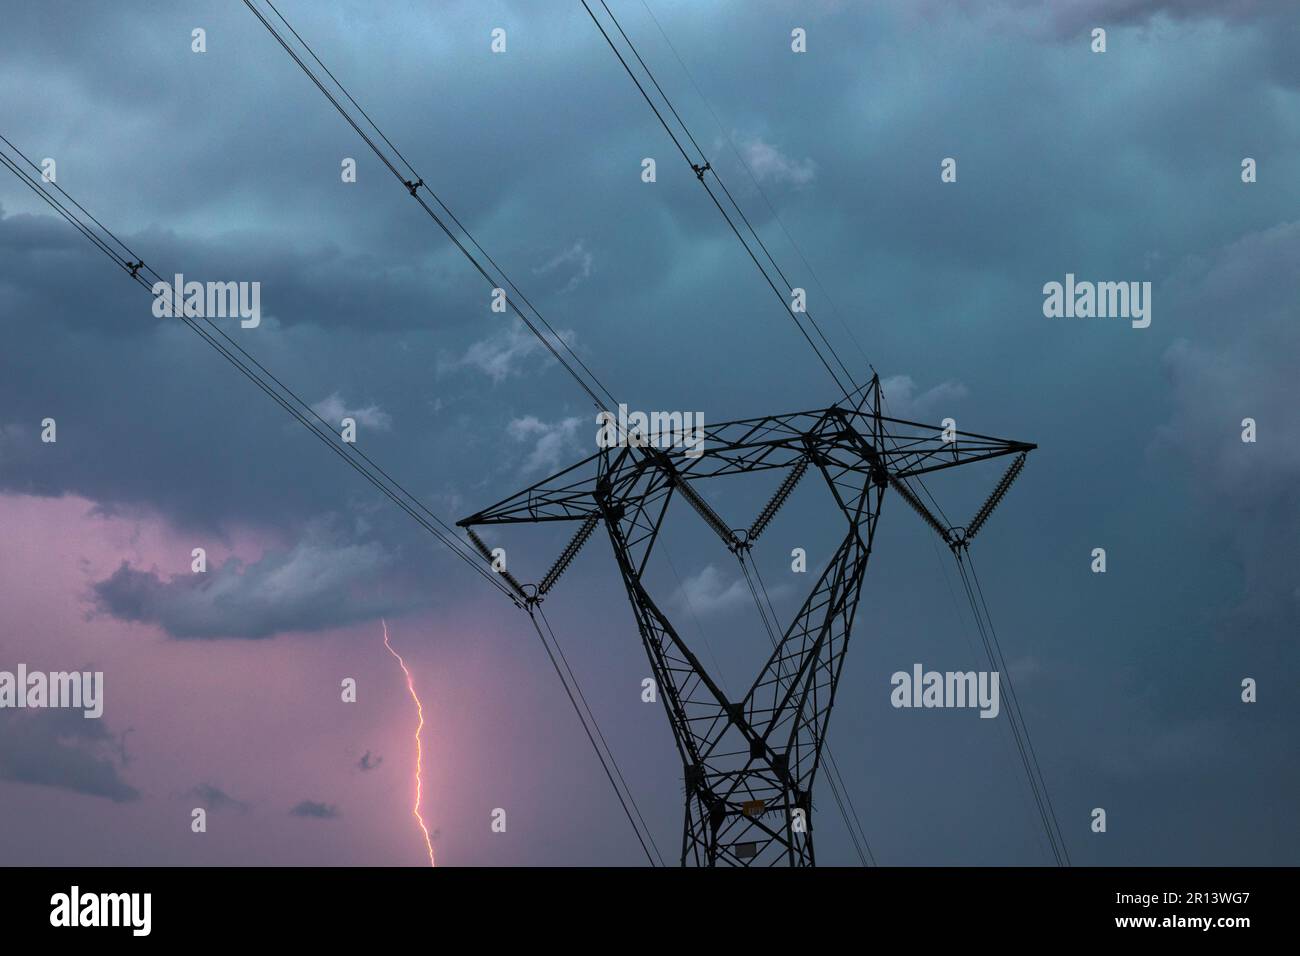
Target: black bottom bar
point(418, 907)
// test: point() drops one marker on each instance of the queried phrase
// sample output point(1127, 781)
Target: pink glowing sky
point(263, 721)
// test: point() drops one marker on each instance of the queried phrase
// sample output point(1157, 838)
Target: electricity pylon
point(750, 764)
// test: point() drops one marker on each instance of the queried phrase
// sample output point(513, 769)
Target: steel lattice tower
point(750, 764)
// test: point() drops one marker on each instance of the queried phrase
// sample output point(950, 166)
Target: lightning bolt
point(419, 750)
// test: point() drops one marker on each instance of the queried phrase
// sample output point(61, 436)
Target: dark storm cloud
point(324, 286)
point(362, 295)
point(314, 810)
point(320, 583)
point(367, 762)
point(1066, 19)
point(61, 748)
point(1076, 14)
point(244, 459)
point(1239, 361)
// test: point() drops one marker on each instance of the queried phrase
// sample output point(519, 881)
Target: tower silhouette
point(750, 764)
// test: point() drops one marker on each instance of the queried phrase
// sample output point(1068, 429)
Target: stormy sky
point(222, 689)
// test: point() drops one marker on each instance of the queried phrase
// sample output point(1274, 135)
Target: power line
point(587, 707)
point(420, 179)
point(940, 560)
point(1016, 720)
point(757, 186)
point(1046, 816)
point(700, 169)
point(280, 393)
point(599, 756)
point(413, 186)
point(1015, 702)
point(753, 178)
point(727, 192)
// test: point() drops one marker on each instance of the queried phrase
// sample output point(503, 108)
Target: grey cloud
point(550, 441)
point(503, 354)
point(214, 798)
point(314, 810)
point(711, 592)
point(1223, 373)
point(906, 401)
point(319, 583)
point(61, 748)
point(333, 409)
point(1074, 15)
point(1074, 18)
point(576, 263)
point(769, 165)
